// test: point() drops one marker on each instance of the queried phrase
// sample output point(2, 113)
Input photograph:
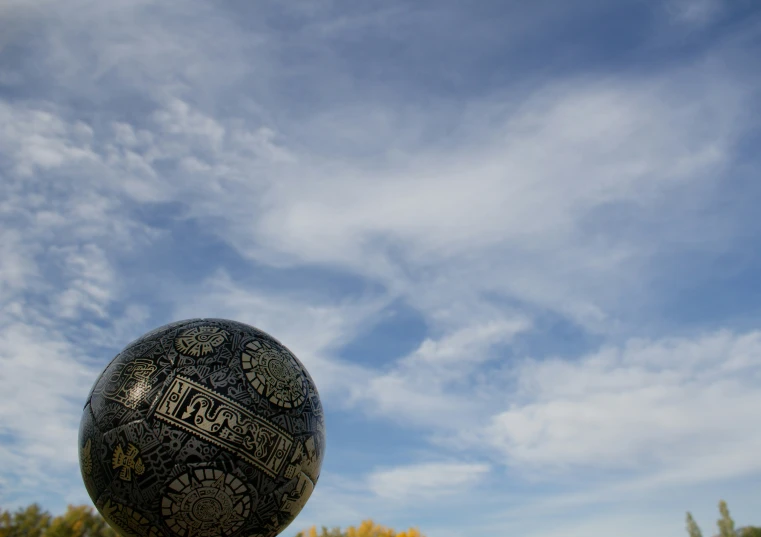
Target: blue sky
point(516, 244)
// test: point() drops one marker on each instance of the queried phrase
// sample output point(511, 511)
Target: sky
point(516, 244)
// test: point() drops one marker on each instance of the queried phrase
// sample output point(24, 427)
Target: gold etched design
point(127, 461)
point(310, 464)
point(87, 458)
point(221, 421)
point(127, 521)
point(206, 502)
point(295, 465)
point(274, 374)
point(200, 341)
point(304, 459)
point(130, 383)
point(294, 501)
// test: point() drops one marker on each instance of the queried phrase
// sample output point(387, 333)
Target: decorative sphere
point(202, 428)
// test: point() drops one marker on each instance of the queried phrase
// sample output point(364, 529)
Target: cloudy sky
point(515, 243)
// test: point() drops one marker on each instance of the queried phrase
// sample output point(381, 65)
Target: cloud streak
point(671, 405)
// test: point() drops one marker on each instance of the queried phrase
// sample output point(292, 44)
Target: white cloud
point(40, 140)
point(672, 410)
point(43, 386)
point(626, 523)
point(17, 267)
point(652, 413)
point(92, 283)
point(695, 12)
point(467, 345)
point(529, 197)
point(527, 191)
point(61, 226)
point(432, 387)
point(427, 481)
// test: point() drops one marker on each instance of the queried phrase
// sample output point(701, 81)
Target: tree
point(367, 528)
point(725, 523)
point(692, 526)
point(312, 532)
point(751, 532)
point(29, 522)
point(79, 521)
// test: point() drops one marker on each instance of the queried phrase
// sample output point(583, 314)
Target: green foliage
point(725, 523)
point(325, 532)
point(692, 526)
point(29, 522)
point(81, 521)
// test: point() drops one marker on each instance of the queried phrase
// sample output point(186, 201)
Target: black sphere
point(202, 428)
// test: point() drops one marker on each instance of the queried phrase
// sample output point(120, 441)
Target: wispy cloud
point(670, 406)
point(432, 387)
point(427, 481)
point(42, 382)
point(697, 12)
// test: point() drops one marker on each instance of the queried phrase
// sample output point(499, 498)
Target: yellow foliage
point(412, 532)
point(367, 528)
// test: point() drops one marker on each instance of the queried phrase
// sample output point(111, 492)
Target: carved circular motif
point(208, 509)
point(274, 374)
point(200, 341)
point(206, 503)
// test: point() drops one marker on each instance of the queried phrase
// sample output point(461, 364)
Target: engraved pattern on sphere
point(274, 373)
point(130, 522)
point(200, 341)
point(206, 503)
point(130, 383)
point(205, 427)
point(192, 407)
